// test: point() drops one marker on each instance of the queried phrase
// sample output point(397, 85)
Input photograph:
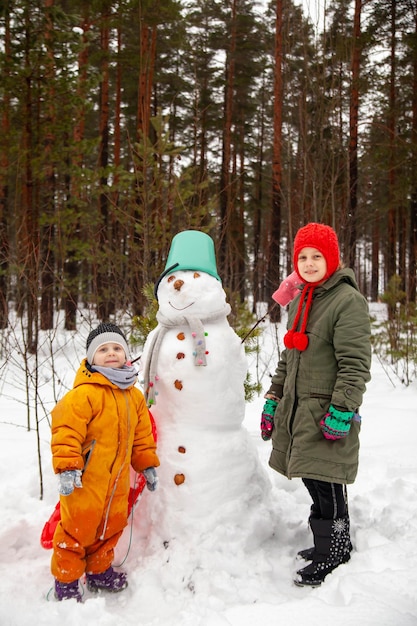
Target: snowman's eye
point(196, 275)
point(171, 278)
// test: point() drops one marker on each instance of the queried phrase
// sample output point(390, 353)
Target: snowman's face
point(190, 292)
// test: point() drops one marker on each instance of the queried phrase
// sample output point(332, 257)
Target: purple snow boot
point(66, 591)
point(110, 580)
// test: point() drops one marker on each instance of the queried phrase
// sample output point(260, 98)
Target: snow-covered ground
point(245, 579)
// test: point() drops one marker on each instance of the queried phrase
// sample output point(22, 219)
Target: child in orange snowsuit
point(99, 428)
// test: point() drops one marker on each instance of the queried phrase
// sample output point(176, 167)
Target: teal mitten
point(267, 419)
point(336, 424)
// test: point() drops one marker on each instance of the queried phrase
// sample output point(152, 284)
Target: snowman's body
point(207, 456)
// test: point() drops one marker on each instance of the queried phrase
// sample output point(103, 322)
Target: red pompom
point(289, 340)
point(300, 341)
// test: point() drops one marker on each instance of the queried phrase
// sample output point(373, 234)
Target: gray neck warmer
point(199, 340)
point(123, 377)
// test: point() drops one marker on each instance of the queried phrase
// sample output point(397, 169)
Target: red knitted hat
point(321, 237)
point(324, 239)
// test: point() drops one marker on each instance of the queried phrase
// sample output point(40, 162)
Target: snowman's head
point(190, 292)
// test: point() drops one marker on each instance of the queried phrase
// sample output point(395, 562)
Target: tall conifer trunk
point(391, 258)
point(141, 253)
point(226, 175)
point(4, 187)
point(353, 143)
point(71, 264)
point(47, 233)
point(413, 198)
point(29, 230)
point(273, 271)
point(105, 303)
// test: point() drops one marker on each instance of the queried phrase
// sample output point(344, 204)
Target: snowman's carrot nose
point(178, 284)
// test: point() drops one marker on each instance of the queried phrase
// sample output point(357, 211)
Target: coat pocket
point(87, 452)
point(323, 400)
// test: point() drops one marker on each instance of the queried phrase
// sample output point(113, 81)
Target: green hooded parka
point(334, 369)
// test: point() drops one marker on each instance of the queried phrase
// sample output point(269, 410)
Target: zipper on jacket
point(290, 425)
point(113, 491)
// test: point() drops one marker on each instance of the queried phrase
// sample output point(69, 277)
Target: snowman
point(194, 368)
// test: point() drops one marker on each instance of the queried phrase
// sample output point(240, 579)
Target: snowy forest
point(124, 122)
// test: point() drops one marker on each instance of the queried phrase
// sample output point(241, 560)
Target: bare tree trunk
point(240, 226)
point(119, 272)
point(257, 281)
point(273, 271)
point(353, 143)
point(226, 177)
point(146, 71)
point(47, 236)
point(412, 269)
point(29, 241)
point(105, 243)
point(118, 109)
point(4, 187)
point(402, 246)
point(391, 256)
point(375, 260)
point(140, 250)
point(71, 265)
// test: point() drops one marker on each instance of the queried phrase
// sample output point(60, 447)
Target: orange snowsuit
point(102, 430)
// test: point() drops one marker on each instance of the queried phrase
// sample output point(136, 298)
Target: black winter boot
point(332, 547)
point(307, 553)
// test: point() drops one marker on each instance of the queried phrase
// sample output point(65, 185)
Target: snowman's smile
point(181, 308)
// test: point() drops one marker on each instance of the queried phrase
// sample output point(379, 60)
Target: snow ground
point(237, 583)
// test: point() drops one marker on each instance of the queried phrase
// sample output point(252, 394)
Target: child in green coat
point(311, 409)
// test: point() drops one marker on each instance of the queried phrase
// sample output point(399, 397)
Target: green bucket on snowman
point(190, 250)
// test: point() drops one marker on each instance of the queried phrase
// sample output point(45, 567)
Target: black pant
point(329, 499)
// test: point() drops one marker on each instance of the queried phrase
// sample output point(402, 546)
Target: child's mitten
point(68, 480)
point(287, 290)
point(267, 419)
point(336, 424)
point(151, 478)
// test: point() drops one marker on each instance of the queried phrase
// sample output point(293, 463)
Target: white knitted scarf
point(196, 326)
